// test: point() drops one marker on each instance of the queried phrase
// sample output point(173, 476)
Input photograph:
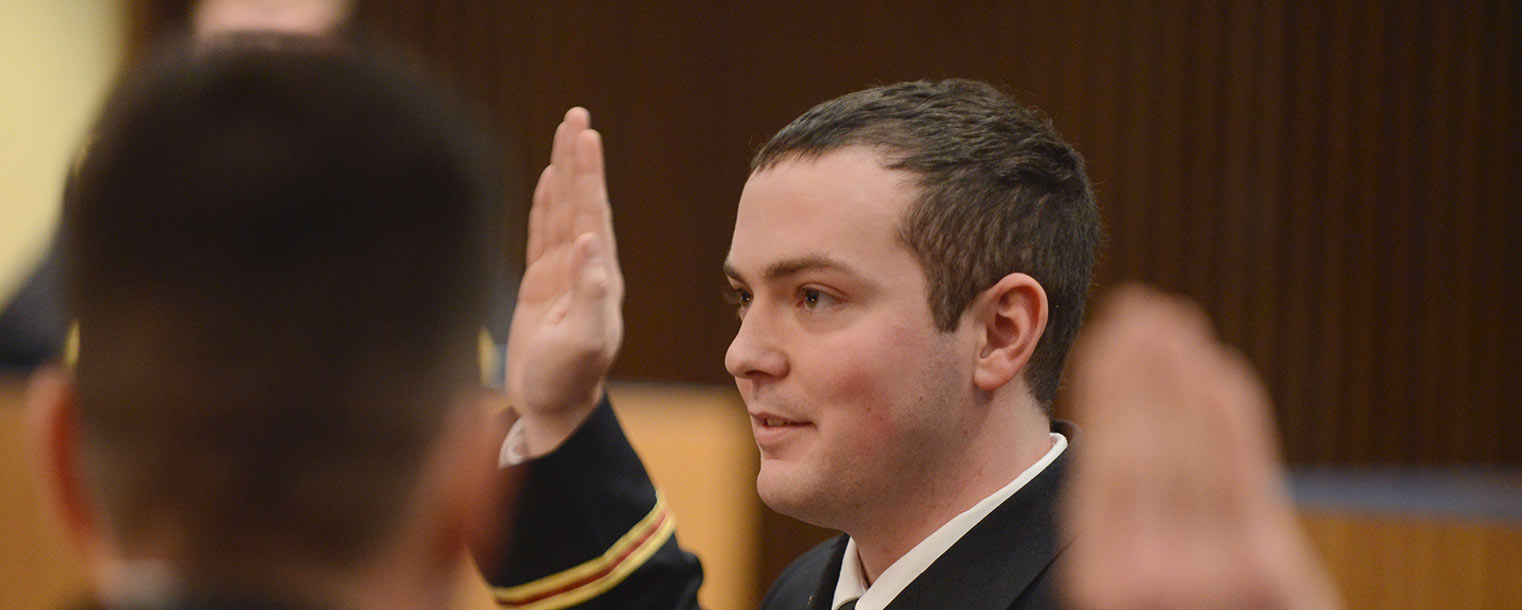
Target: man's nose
point(755, 352)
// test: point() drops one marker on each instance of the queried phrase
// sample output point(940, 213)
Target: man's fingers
point(560, 211)
point(594, 284)
point(578, 118)
point(536, 215)
point(562, 216)
point(592, 323)
point(575, 120)
point(591, 186)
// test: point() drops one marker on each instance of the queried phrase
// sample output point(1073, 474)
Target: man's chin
point(786, 491)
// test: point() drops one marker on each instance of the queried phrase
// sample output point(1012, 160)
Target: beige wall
point(56, 59)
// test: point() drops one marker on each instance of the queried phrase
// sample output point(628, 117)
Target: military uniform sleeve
point(592, 532)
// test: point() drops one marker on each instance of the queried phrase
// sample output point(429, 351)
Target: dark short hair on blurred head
point(276, 252)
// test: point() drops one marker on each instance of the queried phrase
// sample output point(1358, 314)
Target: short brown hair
point(276, 255)
point(1001, 192)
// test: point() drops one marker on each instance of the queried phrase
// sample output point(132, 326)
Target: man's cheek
point(863, 393)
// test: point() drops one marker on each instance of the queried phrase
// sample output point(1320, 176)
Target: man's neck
point(993, 457)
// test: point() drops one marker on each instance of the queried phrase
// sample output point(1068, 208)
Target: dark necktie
point(850, 605)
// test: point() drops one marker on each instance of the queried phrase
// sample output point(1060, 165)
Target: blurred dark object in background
point(33, 324)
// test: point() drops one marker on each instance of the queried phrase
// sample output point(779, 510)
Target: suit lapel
point(999, 558)
point(825, 592)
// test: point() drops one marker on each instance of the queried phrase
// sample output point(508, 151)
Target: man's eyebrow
point(792, 266)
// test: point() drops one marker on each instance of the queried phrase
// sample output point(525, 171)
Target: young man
point(910, 265)
point(276, 253)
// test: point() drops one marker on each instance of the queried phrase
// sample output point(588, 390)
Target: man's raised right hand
point(568, 324)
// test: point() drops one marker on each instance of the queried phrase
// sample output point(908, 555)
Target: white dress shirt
point(852, 583)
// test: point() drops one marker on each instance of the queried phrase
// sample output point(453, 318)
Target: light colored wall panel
point(696, 443)
point(56, 59)
point(1388, 563)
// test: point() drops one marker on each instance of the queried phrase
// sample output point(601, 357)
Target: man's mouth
point(768, 420)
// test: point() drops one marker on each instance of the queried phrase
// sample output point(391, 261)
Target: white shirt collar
point(852, 583)
point(140, 583)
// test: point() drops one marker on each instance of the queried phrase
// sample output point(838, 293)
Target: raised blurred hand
point(568, 324)
point(1177, 499)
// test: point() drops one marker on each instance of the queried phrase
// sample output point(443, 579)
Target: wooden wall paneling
point(1065, 81)
point(1435, 238)
point(1456, 360)
point(1239, 40)
point(1200, 166)
point(1497, 291)
point(1295, 218)
point(1360, 210)
point(1369, 192)
point(1397, 215)
point(1423, 221)
point(1330, 248)
point(1106, 70)
point(1267, 144)
point(680, 232)
point(1132, 205)
point(1171, 32)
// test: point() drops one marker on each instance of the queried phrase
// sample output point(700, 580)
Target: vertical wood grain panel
point(1334, 144)
point(1369, 194)
point(1240, 39)
point(1435, 236)
point(1268, 142)
point(1395, 247)
point(1298, 271)
point(1459, 362)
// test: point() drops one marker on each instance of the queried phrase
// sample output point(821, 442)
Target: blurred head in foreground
point(275, 255)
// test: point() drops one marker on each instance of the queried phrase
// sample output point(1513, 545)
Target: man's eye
point(814, 298)
point(737, 297)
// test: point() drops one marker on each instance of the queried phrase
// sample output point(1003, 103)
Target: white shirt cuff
point(512, 453)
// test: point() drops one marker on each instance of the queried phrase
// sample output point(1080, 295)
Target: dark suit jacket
point(586, 504)
point(1003, 562)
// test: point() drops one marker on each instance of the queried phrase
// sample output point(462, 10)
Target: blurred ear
point(464, 477)
point(1010, 317)
point(53, 428)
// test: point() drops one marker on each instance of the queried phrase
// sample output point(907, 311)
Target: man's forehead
point(841, 194)
point(838, 212)
point(847, 167)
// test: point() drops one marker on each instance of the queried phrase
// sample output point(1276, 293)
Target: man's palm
point(567, 325)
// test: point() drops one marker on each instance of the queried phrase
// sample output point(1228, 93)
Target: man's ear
point(52, 413)
point(1011, 316)
point(465, 476)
